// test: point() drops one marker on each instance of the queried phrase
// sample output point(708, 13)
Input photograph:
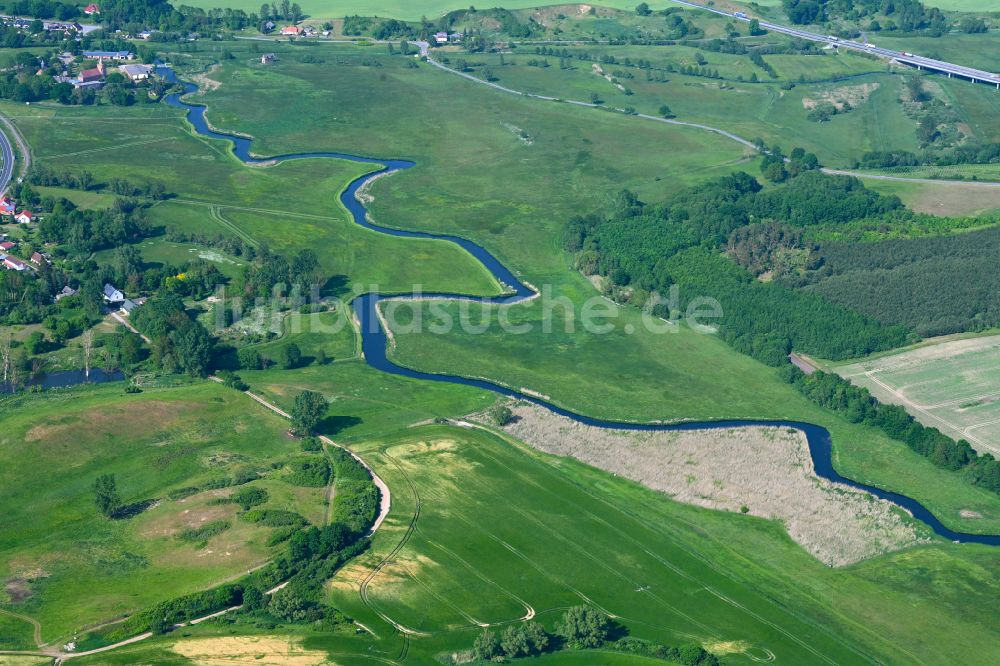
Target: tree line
point(859, 406)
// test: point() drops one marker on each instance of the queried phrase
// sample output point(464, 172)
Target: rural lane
point(684, 123)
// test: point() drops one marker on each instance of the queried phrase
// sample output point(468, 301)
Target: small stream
point(374, 340)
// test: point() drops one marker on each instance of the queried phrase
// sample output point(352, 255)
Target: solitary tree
point(106, 495)
point(290, 356)
point(88, 350)
point(307, 411)
point(665, 111)
point(642, 9)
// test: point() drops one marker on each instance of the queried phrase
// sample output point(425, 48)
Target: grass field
point(65, 565)
point(582, 155)
point(404, 9)
point(953, 386)
point(482, 530)
point(289, 207)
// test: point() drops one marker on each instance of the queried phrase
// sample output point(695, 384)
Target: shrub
point(249, 497)
point(311, 445)
point(274, 517)
point(204, 532)
point(312, 472)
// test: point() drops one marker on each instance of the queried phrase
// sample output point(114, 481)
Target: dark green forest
point(934, 286)
point(644, 249)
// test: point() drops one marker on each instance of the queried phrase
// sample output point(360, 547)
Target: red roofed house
point(14, 264)
point(7, 245)
point(38, 259)
point(291, 30)
point(24, 217)
point(91, 9)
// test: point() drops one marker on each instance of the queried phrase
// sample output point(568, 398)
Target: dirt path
point(121, 320)
point(35, 625)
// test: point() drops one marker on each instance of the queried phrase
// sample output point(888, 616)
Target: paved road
point(7, 154)
point(920, 62)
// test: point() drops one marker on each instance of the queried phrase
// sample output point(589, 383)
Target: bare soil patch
point(763, 471)
point(17, 590)
point(842, 96)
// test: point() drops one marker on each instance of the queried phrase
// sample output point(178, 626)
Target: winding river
point(375, 341)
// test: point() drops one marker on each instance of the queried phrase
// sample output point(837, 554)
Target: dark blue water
point(64, 378)
point(374, 341)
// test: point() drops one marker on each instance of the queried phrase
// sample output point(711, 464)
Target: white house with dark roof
point(112, 294)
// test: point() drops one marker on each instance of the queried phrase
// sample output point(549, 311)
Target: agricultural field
point(485, 531)
point(403, 9)
point(951, 385)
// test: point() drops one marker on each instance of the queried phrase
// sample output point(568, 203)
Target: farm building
point(268, 57)
point(136, 72)
point(24, 217)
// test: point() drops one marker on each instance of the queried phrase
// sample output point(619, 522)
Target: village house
point(291, 30)
point(136, 72)
point(14, 264)
point(24, 217)
point(91, 9)
point(39, 258)
point(7, 206)
point(109, 55)
point(7, 246)
point(128, 305)
point(112, 294)
point(66, 291)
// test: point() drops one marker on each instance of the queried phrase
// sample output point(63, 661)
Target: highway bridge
point(911, 59)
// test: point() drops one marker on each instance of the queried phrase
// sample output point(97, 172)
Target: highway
point(919, 62)
point(7, 154)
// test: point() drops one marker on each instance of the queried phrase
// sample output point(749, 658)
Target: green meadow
point(582, 154)
point(291, 206)
point(67, 566)
point(483, 531)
